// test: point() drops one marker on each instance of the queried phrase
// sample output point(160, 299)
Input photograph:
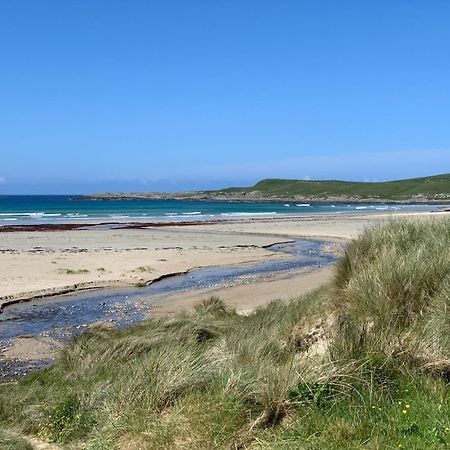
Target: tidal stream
point(61, 317)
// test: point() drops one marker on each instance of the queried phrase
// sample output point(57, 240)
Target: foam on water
point(246, 214)
point(66, 209)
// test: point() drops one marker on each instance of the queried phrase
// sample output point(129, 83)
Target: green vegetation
point(433, 188)
point(143, 269)
point(73, 271)
point(362, 363)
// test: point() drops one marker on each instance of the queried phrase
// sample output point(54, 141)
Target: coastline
point(262, 199)
point(65, 212)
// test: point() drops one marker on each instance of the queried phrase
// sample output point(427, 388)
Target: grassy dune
point(362, 363)
point(435, 187)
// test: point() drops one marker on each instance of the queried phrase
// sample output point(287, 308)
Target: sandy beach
point(39, 263)
point(50, 262)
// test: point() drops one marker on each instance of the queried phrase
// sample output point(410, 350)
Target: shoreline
point(70, 226)
point(141, 223)
point(65, 221)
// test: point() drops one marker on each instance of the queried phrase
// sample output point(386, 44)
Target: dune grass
point(392, 290)
point(362, 363)
point(73, 271)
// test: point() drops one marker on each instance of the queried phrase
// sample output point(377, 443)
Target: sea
point(42, 209)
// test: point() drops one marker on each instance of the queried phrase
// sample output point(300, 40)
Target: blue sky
point(167, 95)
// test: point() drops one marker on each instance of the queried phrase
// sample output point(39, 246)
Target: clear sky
point(166, 95)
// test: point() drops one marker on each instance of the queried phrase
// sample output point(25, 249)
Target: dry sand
point(43, 262)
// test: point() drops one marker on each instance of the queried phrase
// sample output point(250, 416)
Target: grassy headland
point(363, 362)
point(427, 189)
point(431, 188)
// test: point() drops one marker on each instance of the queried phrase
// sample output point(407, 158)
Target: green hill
point(431, 188)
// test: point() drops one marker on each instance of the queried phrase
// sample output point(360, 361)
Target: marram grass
point(362, 363)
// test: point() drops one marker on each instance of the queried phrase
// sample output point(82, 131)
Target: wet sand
point(246, 297)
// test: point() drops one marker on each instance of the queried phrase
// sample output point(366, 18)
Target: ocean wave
point(193, 213)
point(82, 217)
point(76, 216)
point(249, 213)
point(30, 214)
point(303, 204)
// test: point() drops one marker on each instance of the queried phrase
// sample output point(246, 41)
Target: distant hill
point(427, 188)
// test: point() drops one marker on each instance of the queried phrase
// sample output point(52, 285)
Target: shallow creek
point(60, 317)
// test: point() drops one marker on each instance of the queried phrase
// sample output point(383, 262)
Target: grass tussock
point(392, 291)
point(358, 364)
point(73, 271)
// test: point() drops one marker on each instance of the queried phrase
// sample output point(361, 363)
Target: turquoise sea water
point(74, 209)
